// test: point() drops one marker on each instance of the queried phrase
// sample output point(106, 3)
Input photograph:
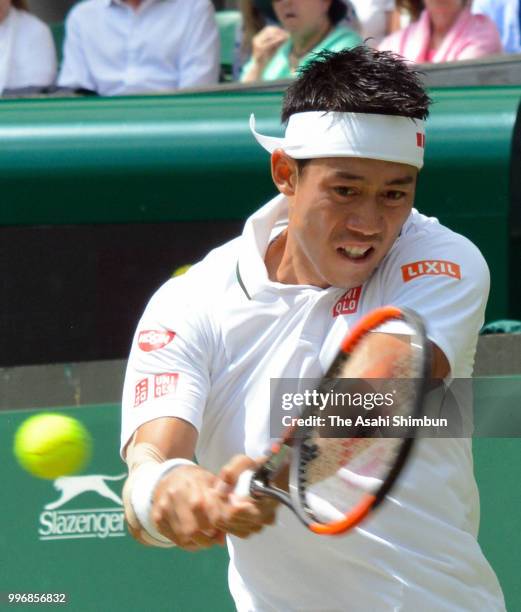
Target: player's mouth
point(356, 253)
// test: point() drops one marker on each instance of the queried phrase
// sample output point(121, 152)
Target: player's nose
point(365, 219)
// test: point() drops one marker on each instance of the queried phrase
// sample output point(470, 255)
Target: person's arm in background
point(199, 55)
point(74, 72)
point(395, 21)
point(264, 45)
point(405, 12)
point(391, 20)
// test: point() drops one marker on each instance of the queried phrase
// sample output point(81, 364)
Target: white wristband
point(147, 478)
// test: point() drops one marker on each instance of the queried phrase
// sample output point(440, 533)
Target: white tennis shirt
point(205, 350)
point(164, 45)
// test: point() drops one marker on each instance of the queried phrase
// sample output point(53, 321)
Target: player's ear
point(284, 172)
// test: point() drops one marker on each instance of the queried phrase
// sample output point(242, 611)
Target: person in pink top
point(446, 31)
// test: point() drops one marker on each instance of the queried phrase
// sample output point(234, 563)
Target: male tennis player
point(340, 239)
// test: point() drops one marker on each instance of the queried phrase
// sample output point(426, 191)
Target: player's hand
point(266, 42)
point(187, 507)
point(243, 517)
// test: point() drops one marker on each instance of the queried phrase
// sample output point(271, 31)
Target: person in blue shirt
point(506, 15)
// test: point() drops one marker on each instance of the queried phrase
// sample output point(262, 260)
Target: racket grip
point(242, 488)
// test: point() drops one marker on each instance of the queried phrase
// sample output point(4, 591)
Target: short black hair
point(357, 80)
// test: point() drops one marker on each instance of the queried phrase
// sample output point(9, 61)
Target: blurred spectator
point(411, 9)
point(255, 15)
point(506, 15)
point(351, 19)
point(129, 46)
point(308, 26)
point(375, 18)
point(445, 31)
point(406, 12)
point(27, 53)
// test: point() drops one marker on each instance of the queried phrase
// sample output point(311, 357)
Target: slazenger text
point(60, 525)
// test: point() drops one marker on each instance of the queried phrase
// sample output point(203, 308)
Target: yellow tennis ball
point(181, 270)
point(52, 445)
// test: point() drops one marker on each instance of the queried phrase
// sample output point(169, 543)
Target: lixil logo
point(430, 268)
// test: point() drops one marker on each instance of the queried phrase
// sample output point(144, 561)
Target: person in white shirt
point(27, 53)
point(340, 239)
point(115, 47)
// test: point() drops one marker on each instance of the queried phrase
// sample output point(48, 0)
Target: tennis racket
point(336, 476)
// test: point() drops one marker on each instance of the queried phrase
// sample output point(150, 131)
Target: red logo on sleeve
point(420, 140)
point(348, 303)
point(165, 384)
point(416, 269)
point(153, 339)
point(141, 392)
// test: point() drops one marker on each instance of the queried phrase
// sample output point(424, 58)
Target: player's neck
point(285, 266)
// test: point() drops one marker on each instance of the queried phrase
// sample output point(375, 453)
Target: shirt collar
point(259, 231)
point(251, 269)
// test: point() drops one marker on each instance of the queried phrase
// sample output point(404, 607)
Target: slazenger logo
point(153, 339)
point(57, 524)
point(415, 269)
point(348, 303)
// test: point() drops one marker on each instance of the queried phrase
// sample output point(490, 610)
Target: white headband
point(320, 134)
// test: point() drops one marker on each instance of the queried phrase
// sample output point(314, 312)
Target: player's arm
point(440, 367)
point(185, 506)
point(168, 498)
point(190, 506)
point(444, 278)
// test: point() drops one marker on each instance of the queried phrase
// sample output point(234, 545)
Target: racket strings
point(335, 472)
point(330, 454)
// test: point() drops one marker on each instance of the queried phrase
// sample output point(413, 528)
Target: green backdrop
point(115, 573)
point(191, 157)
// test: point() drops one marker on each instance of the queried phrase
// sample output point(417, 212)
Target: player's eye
point(394, 196)
point(344, 191)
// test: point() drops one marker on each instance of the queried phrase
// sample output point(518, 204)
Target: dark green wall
point(191, 157)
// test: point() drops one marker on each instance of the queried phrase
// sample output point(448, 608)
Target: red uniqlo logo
point(153, 339)
point(348, 303)
point(165, 384)
point(141, 392)
point(420, 140)
point(430, 268)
